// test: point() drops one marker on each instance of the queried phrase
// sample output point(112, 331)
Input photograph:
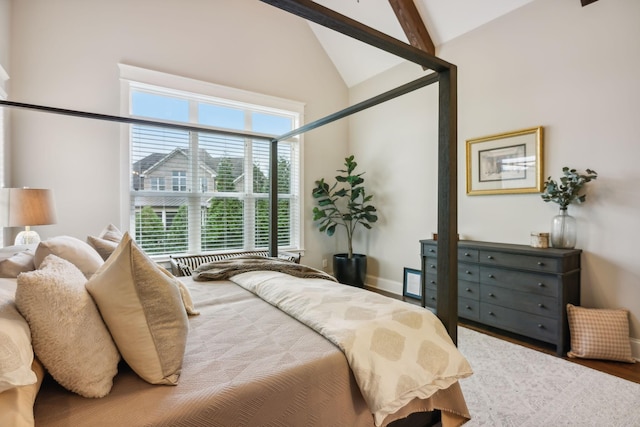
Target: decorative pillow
point(16, 404)
point(68, 334)
point(104, 247)
point(143, 309)
point(599, 333)
point(16, 353)
point(18, 263)
point(111, 233)
point(77, 252)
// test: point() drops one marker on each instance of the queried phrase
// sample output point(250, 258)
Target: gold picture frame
point(506, 163)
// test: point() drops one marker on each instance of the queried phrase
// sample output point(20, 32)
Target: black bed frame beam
point(446, 76)
point(378, 99)
point(132, 120)
point(447, 294)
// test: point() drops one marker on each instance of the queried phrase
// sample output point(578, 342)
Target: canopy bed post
point(447, 294)
point(273, 198)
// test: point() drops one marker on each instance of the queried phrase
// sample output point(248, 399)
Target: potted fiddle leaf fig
point(345, 204)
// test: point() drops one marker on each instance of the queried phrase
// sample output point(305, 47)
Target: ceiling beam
point(413, 25)
point(587, 2)
point(328, 18)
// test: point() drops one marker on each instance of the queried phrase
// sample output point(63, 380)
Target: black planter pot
point(350, 271)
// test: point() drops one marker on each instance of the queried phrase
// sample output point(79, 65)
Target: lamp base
point(27, 237)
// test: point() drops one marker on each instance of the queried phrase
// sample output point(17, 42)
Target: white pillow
point(16, 264)
point(77, 252)
point(16, 353)
point(68, 334)
point(16, 404)
point(104, 247)
point(143, 310)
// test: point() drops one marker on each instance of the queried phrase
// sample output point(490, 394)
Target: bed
point(247, 361)
point(243, 361)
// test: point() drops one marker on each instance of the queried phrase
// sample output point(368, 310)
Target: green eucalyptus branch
point(567, 191)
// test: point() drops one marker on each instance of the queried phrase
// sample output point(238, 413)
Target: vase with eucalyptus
point(566, 191)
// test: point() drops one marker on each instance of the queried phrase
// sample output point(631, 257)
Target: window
point(218, 197)
point(157, 183)
point(179, 180)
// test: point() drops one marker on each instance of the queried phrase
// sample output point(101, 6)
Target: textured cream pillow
point(599, 333)
point(16, 353)
point(16, 405)
point(68, 334)
point(143, 310)
point(77, 252)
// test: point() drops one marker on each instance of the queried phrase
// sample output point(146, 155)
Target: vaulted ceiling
point(444, 20)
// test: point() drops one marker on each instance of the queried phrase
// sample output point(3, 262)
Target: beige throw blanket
point(225, 269)
point(397, 351)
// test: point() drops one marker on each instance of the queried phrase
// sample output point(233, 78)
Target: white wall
point(65, 54)
point(553, 63)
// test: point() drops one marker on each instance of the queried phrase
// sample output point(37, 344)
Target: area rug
point(516, 386)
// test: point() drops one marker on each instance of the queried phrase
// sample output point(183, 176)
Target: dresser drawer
point(429, 250)
point(469, 290)
point(467, 255)
point(537, 327)
point(529, 262)
point(430, 297)
point(431, 279)
point(543, 284)
point(431, 264)
point(468, 272)
point(468, 309)
point(530, 303)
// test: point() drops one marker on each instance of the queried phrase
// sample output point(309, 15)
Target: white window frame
point(132, 77)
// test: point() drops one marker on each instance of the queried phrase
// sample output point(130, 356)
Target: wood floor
point(628, 371)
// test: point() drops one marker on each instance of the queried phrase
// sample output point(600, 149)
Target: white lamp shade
point(27, 207)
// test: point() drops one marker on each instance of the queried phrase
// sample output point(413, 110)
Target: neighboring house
point(168, 172)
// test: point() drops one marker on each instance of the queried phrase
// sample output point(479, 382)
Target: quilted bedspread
point(397, 351)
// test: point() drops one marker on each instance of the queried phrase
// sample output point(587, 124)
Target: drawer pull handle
point(467, 289)
point(432, 250)
point(541, 326)
point(432, 266)
point(433, 282)
point(490, 276)
point(540, 284)
point(467, 254)
point(489, 257)
point(541, 305)
point(491, 294)
point(467, 271)
point(540, 263)
point(467, 307)
point(433, 298)
point(491, 313)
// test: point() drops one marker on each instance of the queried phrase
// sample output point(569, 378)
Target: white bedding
point(397, 351)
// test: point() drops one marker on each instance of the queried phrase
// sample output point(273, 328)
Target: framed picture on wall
point(411, 285)
point(506, 163)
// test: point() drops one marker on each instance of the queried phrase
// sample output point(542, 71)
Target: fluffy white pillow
point(77, 252)
point(16, 353)
point(143, 310)
point(68, 334)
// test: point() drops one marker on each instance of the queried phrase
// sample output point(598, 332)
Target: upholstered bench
point(183, 265)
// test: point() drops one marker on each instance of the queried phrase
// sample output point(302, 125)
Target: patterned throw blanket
point(397, 351)
point(225, 269)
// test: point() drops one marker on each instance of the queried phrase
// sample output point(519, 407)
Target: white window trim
point(132, 76)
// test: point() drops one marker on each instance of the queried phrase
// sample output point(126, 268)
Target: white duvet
point(397, 351)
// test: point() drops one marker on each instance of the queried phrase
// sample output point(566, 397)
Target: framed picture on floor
point(411, 285)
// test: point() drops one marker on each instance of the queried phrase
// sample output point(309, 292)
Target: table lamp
point(26, 207)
